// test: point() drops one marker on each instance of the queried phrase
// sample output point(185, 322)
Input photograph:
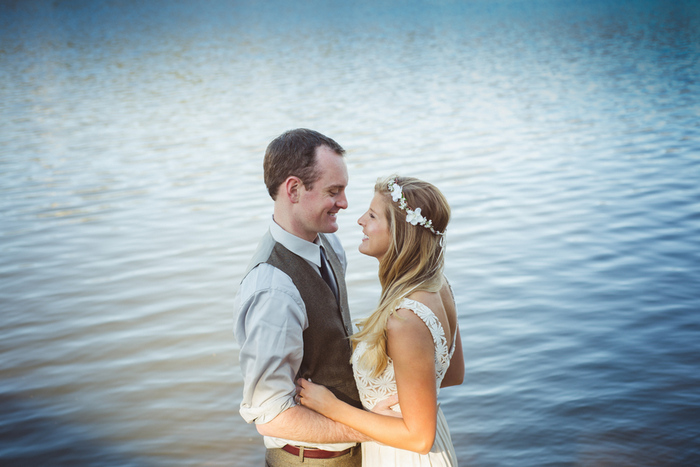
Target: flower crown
point(412, 217)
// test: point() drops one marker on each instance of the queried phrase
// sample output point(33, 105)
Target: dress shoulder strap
point(433, 323)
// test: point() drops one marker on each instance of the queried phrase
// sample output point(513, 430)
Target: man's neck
point(281, 218)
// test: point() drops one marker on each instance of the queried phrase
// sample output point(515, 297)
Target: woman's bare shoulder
point(432, 300)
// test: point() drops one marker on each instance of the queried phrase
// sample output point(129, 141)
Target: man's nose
point(342, 202)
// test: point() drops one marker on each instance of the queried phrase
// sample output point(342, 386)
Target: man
point(292, 311)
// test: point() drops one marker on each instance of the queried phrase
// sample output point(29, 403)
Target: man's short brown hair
point(293, 153)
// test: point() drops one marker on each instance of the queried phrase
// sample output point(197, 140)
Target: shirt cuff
point(267, 412)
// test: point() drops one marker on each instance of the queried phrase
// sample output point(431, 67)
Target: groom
point(292, 318)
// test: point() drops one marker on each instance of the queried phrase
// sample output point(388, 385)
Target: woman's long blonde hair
point(414, 261)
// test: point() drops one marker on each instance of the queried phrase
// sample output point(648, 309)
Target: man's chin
point(331, 228)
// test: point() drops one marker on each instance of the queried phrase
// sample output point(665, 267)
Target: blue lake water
point(566, 136)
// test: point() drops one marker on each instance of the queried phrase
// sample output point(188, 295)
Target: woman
point(410, 345)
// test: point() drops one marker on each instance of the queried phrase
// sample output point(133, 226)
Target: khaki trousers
point(280, 458)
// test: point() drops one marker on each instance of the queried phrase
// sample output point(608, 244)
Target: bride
point(410, 345)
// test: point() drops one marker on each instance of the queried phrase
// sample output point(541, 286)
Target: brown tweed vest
point(327, 349)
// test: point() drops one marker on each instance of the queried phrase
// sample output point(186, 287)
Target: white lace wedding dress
point(373, 390)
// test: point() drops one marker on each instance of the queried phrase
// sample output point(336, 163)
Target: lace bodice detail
point(373, 390)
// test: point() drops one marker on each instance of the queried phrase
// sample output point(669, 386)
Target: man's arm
point(269, 329)
point(301, 424)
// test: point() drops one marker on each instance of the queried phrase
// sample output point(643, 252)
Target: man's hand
point(383, 407)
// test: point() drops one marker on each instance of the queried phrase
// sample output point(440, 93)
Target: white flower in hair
point(414, 217)
point(396, 191)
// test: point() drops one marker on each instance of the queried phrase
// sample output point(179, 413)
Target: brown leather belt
point(313, 453)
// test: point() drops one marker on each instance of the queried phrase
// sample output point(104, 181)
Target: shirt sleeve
point(268, 326)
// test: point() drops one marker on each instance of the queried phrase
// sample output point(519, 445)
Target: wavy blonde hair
point(414, 261)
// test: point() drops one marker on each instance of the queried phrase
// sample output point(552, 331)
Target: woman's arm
point(455, 373)
point(410, 345)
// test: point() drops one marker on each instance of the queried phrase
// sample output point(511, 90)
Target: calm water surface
point(565, 136)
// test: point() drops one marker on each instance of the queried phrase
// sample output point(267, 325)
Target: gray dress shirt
point(271, 339)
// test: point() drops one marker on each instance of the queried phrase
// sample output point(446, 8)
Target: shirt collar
point(309, 251)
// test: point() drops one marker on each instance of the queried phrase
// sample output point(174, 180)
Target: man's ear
point(292, 188)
